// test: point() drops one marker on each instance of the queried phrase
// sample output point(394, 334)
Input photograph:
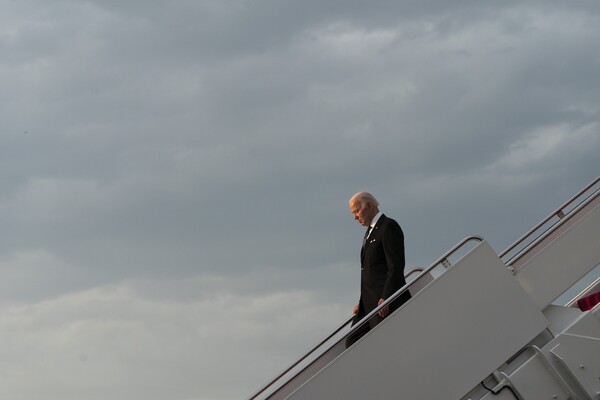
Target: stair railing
point(443, 260)
point(563, 213)
point(589, 289)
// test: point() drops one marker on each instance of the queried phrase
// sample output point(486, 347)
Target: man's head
point(364, 207)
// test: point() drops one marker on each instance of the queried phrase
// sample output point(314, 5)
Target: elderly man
point(382, 262)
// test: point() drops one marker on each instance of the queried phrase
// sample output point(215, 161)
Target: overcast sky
point(175, 175)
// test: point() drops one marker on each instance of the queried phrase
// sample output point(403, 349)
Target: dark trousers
point(362, 331)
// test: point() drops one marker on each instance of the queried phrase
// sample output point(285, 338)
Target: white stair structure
point(487, 327)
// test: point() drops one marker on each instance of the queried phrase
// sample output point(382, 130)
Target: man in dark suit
point(382, 263)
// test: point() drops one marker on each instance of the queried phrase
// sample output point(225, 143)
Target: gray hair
point(364, 198)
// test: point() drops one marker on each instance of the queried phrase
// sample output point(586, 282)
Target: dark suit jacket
point(382, 268)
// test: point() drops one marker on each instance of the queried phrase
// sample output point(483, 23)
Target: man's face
point(362, 213)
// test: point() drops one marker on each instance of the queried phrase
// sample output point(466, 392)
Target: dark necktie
point(366, 236)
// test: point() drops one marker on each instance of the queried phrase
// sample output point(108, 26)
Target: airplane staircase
point(479, 326)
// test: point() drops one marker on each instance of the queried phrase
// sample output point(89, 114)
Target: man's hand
point(355, 309)
point(385, 310)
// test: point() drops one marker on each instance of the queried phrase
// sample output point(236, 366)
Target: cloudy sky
point(175, 174)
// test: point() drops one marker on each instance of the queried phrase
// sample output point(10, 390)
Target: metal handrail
point(584, 292)
point(404, 288)
point(297, 362)
point(557, 213)
point(564, 219)
point(414, 271)
point(366, 318)
point(305, 356)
